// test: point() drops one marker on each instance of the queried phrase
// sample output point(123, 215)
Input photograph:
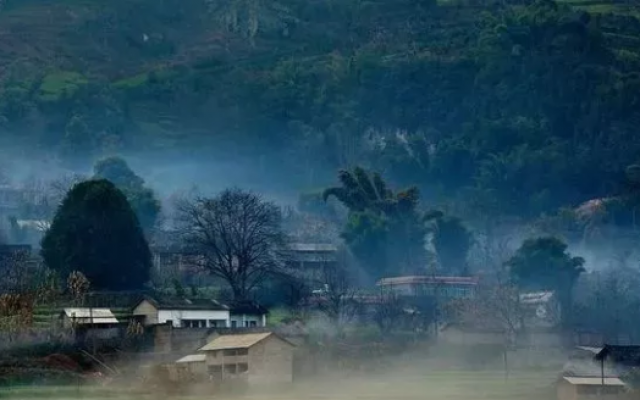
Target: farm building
point(258, 358)
point(311, 256)
point(182, 312)
point(577, 388)
point(193, 364)
point(88, 317)
point(443, 286)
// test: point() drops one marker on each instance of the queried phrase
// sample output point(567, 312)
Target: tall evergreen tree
point(96, 232)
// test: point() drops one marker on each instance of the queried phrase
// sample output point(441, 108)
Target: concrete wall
point(169, 340)
point(271, 362)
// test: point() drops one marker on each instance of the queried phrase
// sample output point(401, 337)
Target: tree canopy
point(545, 264)
point(492, 106)
point(452, 241)
point(142, 199)
point(385, 230)
point(96, 233)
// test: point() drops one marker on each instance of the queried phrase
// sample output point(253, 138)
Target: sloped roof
point(241, 341)
point(313, 247)
point(91, 315)
point(185, 303)
point(575, 380)
point(590, 349)
point(588, 369)
point(247, 308)
point(426, 279)
point(192, 358)
point(624, 355)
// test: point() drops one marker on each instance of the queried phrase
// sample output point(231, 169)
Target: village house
point(182, 312)
point(310, 256)
point(257, 358)
point(449, 287)
point(311, 259)
point(579, 388)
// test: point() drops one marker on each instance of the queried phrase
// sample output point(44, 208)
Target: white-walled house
point(182, 312)
point(247, 315)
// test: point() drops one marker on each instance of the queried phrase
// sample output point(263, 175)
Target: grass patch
point(147, 78)
point(131, 82)
point(406, 382)
point(57, 85)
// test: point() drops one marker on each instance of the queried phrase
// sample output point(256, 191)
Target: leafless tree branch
point(238, 234)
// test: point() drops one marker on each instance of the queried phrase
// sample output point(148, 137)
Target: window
point(246, 324)
point(234, 324)
point(253, 324)
point(235, 352)
point(243, 367)
point(215, 371)
point(194, 323)
point(230, 368)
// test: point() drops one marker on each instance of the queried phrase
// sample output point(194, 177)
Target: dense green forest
point(523, 107)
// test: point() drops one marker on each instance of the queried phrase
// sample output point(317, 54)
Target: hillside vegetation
point(523, 106)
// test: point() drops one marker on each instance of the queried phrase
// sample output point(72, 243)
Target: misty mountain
point(510, 108)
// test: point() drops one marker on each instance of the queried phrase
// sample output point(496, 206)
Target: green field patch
point(146, 78)
point(60, 84)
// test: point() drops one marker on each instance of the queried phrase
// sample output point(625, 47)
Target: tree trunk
point(505, 358)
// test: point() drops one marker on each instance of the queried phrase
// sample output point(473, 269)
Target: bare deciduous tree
point(41, 198)
point(19, 285)
point(16, 274)
point(239, 236)
point(389, 311)
point(338, 299)
point(78, 285)
point(496, 308)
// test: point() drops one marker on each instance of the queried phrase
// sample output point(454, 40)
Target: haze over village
point(330, 199)
point(108, 283)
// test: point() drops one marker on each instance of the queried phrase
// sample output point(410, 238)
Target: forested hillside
point(523, 107)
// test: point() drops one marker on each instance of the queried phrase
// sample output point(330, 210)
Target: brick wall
point(183, 340)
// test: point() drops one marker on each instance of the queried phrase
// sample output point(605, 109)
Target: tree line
point(96, 238)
